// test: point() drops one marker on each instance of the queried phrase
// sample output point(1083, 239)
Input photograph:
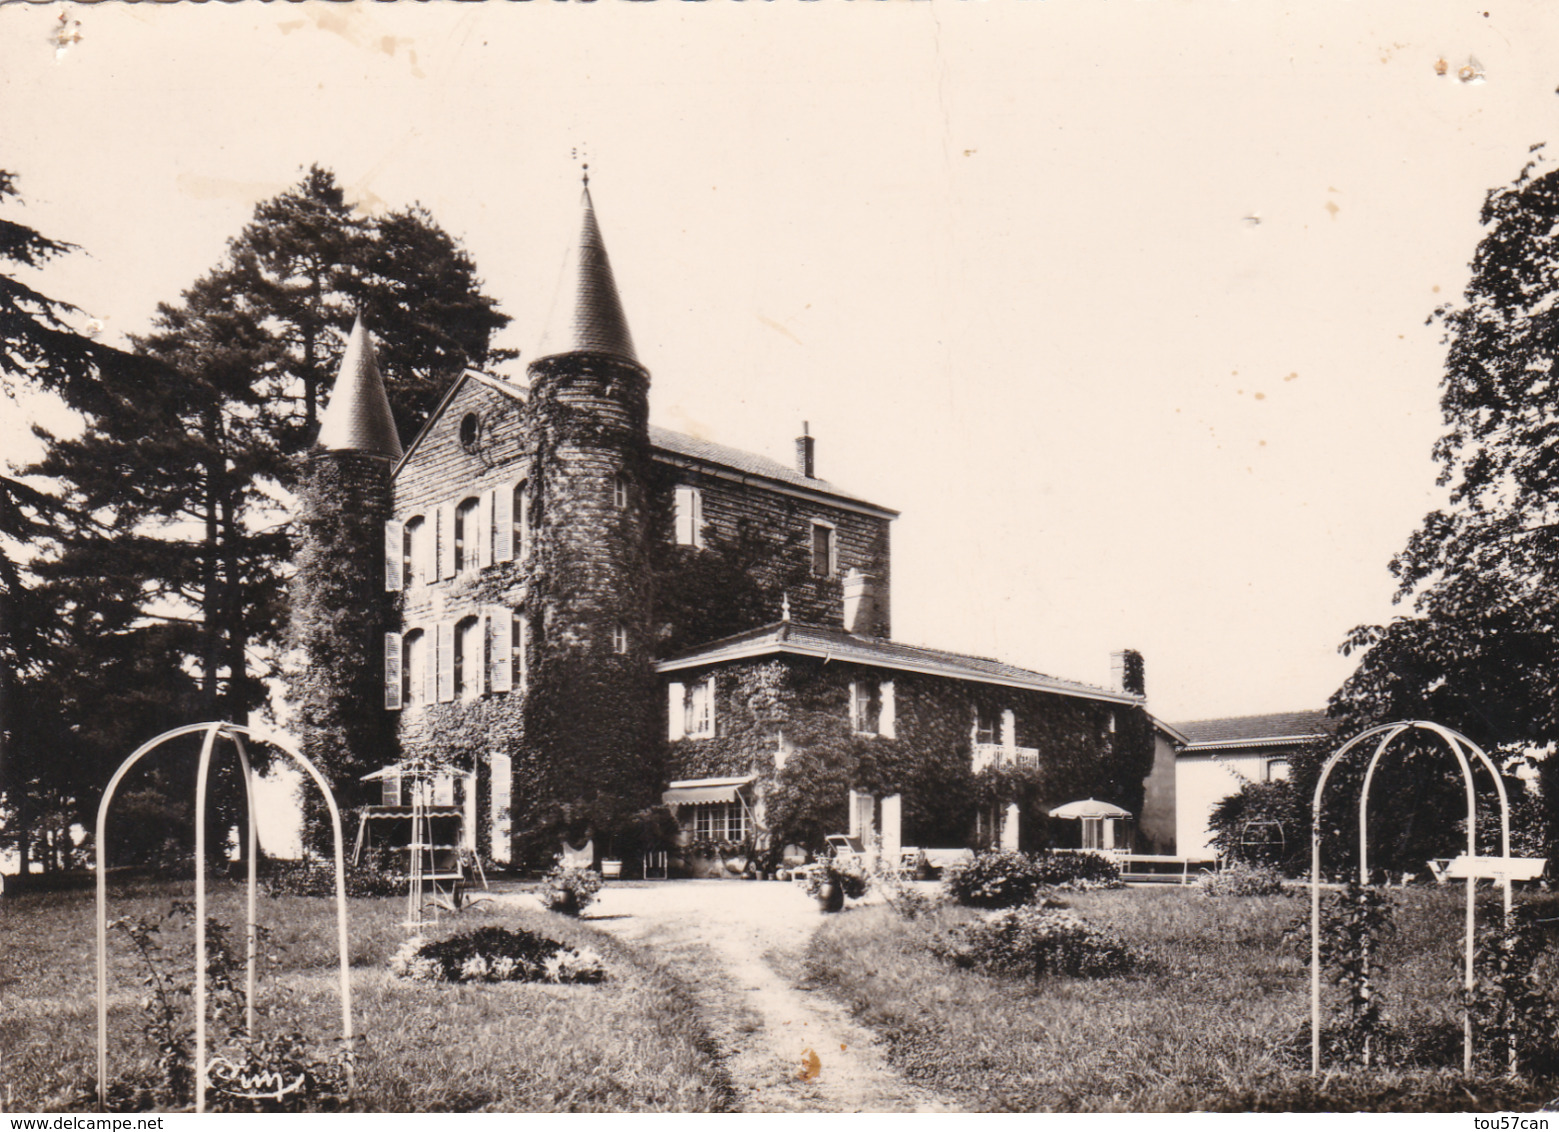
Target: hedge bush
point(1081, 872)
point(1033, 942)
point(1240, 879)
point(997, 878)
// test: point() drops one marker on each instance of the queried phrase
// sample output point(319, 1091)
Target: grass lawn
point(1217, 1017)
point(630, 1043)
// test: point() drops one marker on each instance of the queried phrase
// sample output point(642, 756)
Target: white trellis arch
point(1459, 746)
point(213, 731)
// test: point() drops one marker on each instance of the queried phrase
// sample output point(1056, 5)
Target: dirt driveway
point(740, 944)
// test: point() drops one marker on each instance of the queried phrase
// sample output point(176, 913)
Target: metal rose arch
point(1503, 868)
point(237, 733)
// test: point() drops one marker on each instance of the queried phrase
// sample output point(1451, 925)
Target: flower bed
point(494, 955)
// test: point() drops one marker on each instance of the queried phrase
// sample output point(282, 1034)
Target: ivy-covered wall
point(339, 612)
point(803, 704)
point(588, 761)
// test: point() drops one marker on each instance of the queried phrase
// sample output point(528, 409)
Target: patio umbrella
point(1089, 809)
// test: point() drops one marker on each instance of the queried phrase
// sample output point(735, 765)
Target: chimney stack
point(804, 452)
point(860, 604)
point(1126, 672)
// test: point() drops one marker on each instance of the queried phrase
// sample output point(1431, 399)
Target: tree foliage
point(164, 560)
point(1478, 650)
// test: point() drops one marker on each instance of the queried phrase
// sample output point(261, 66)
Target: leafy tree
point(170, 556)
point(1479, 650)
point(40, 350)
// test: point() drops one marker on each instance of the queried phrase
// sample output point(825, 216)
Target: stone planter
point(611, 870)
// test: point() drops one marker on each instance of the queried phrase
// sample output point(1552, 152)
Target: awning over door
point(696, 791)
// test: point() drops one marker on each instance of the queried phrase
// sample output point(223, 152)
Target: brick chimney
point(804, 452)
point(1126, 672)
point(860, 603)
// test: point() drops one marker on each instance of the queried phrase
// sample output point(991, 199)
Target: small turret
point(340, 609)
point(357, 417)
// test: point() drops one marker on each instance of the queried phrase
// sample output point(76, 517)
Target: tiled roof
point(835, 644)
point(357, 417)
point(748, 463)
point(1255, 730)
point(587, 314)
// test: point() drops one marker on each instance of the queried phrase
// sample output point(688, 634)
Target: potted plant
point(830, 884)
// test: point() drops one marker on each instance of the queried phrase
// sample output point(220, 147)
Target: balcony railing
point(995, 754)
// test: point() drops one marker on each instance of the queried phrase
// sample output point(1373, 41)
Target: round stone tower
point(340, 609)
point(591, 702)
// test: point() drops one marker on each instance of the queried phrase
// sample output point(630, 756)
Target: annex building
point(586, 617)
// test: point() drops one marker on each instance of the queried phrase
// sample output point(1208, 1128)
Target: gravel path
point(740, 946)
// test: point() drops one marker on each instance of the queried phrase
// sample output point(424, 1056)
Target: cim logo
point(226, 1077)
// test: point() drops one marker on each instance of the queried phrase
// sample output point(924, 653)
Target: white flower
point(474, 968)
point(503, 967)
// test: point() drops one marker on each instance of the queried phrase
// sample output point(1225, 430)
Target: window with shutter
point(689, 517)
point(467, 534)
point(500, 671)
point(416, 551)
point(414, 663)
point(701, 709)
point(446, 662)
point(676, 711)
point(394, 556)
point(392, 671)
point(499, 791)
point(503, 525)
point(484, 532)
point(823, 550)
point(470, 658)
point(446, 540)
point(864, 707)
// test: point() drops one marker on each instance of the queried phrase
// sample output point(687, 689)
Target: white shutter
point(855, 706)
point(446, 661)
point(522, 626)
point(474, 653)
point(498, 792)
point(484, 531)
point(886, 724)
point(709, 710)
point(446, 540)
point(523, 550)
point(500, 672)
point(698, 518)
point(394, 550)
point(503, 524)
point(392, 672)
point(676, 711)
point(1009, 729)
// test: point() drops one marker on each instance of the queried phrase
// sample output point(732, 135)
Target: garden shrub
point(375, 875)
point(1033, 942)
point(997, 878)
point(1081, 872)
point(493, 955)
point(270, 1072)
point(853, 881)
point(1241, 879)
point(568, 890)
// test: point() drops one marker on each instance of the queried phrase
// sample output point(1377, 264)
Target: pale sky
point(1122, 304)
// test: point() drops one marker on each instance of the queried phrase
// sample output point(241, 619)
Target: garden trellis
point(214, 731)
point(1503, 868)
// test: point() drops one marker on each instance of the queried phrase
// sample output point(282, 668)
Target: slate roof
point(1281, 728)
point(357, 417)
point(749, 463)
point(798, 639)
point(587, 313)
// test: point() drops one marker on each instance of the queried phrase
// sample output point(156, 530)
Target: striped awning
point(703, 791)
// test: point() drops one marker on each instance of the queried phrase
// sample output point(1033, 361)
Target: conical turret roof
point(357, 418)
point(587, 315)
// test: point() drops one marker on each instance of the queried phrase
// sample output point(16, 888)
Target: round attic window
point(470, 431)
